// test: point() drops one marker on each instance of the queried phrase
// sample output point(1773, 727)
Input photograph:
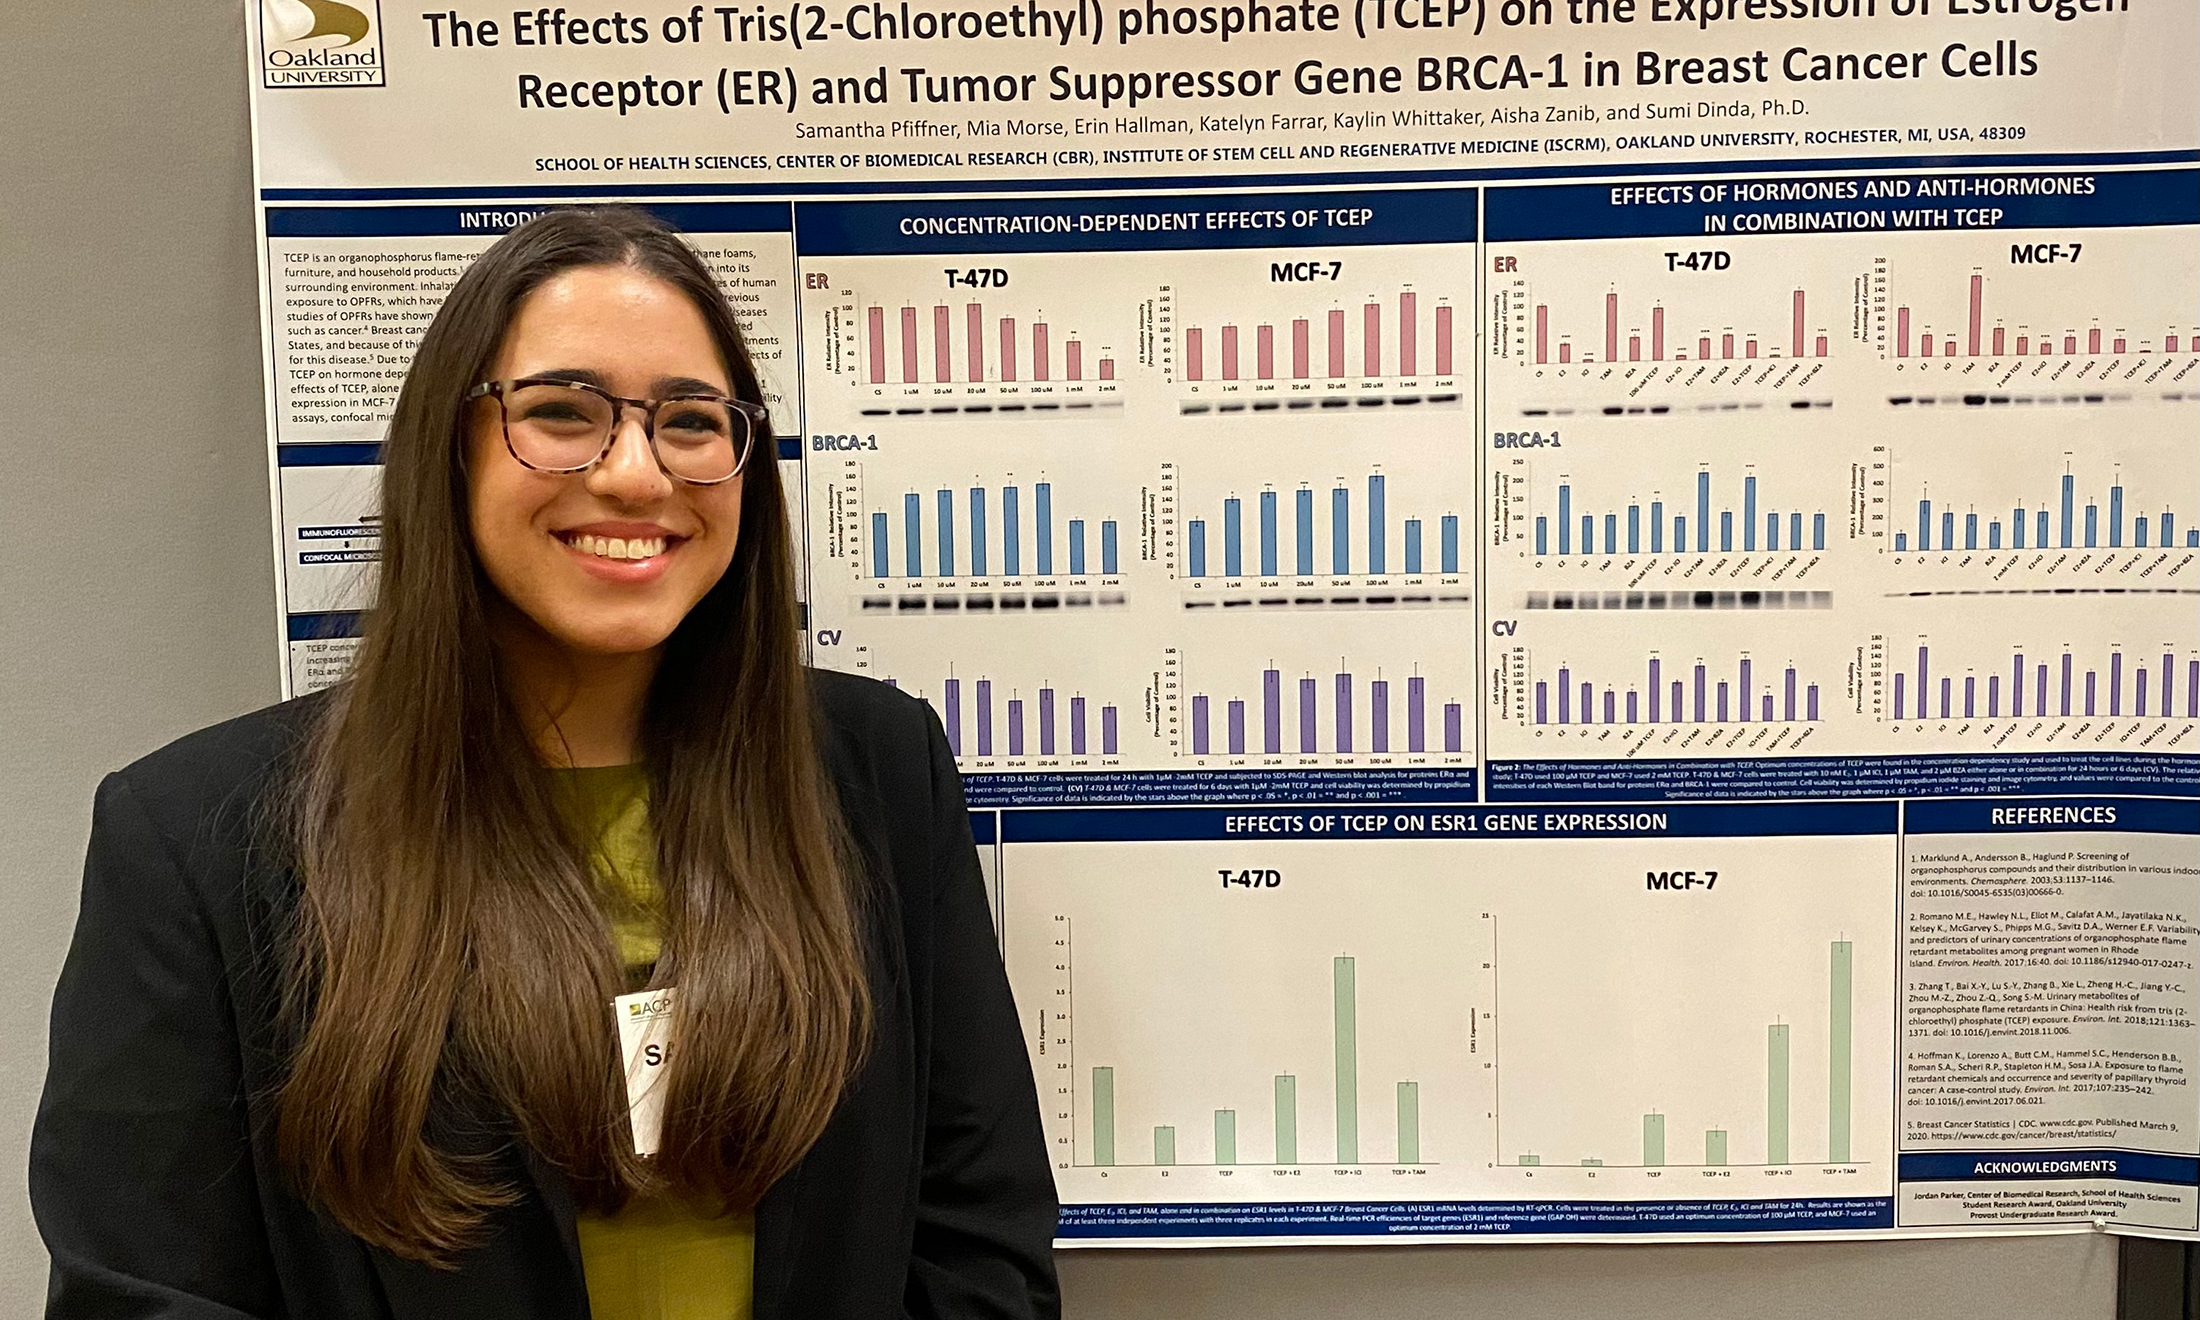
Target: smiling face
point(608, 561)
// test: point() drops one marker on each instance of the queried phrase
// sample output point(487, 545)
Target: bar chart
point(1365, 525)
point(1357, 321)
point(1646, 339)
point(1742, 517)
point(1604, 498)
point(1760, 1069)
point(892, 331)
point(1287, 1033)
point(2062, 522)
point(1010, 528)
point(2058, 681)
point(1676, 691)
point(990, 718)
point(973, 344)
point(1708, 682)
point(1671, 309)
point(1345, 709)
point(1316, 1020)
point(1012, 696)
point(1948, 302)
point(1778, 1149)
point(1228, 353)
point(2123, 505)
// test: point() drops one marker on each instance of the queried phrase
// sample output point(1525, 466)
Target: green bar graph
point(1225, 1136)
point(1714, 1146)
point(1531, 1159)
point(1164, 1145)
point(1593, 1163)
point(1776, 1093)
point(1346, 977)
point(1287, 1119)
point(1838, 1029)
point(1103, 1116)
point(1409, 1122)
point(1653, 1139)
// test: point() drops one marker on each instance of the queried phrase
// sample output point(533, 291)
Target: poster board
point(1563, 619)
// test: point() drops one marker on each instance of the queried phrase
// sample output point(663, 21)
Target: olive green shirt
point(656, 1259)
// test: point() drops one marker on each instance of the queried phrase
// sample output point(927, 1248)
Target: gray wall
point(136, 602)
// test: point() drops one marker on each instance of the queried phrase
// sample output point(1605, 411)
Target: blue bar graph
point(1350, 541)
point(2070, 526)
point(1623, 529)
point(946, 540)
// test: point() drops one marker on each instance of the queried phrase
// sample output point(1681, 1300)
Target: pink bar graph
point(1407, 324)
point(909, 345)
point(1657, 334)
point(943, 366)
point(1040, 363)
point(1542, 333)
point(1795, 327)
point(1073, 355)
point(1008, 348)
point(1978, 309)
point(1634, 348)
point(1989, 335)
point(1703, 347)
point(1611, 327)
point(1565, 352)
point(877, 318)
point(974, 316)
point(1259, 355)
point(1107, 368)
point(1726, 346)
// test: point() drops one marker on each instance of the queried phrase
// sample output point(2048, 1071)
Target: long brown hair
point(450, 957)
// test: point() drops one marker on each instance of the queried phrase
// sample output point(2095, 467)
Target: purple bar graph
point(1340, 716)
point(975, 735)
point(2063, 687)
point(1583, 702)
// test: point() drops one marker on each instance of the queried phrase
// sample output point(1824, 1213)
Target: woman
point(335, 1037)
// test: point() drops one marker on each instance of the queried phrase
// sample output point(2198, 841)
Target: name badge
point(647, 1025)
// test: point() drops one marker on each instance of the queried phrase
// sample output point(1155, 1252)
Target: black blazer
point(152, 1173)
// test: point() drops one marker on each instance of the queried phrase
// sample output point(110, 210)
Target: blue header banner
point(456, 221)
point(2060, 1165)
point(1115, 224)
point(1862, 203)
point(1300, 824)
point(2001, 815)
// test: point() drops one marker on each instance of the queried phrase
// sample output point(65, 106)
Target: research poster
point(1564, 619)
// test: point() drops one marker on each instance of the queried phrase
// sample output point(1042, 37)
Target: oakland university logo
point(321, 43)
